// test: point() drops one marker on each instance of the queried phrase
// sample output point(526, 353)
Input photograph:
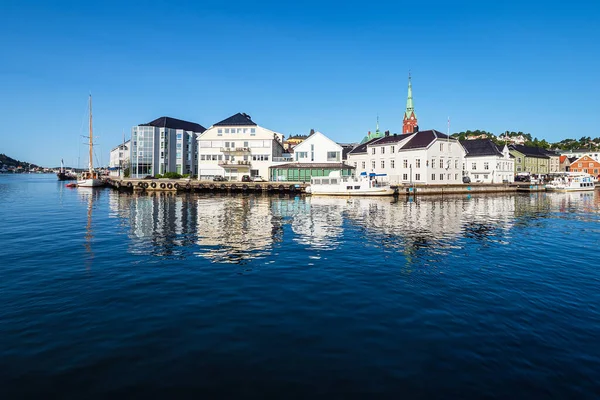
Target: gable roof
point(174, 123)
point(480, 147)
point(422, 139)
point(581, 159)
point(562, 159)
point(362, 148)
point(392, 138)
point(529, 151)
point(239, 119)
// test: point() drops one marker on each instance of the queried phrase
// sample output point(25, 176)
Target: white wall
point(413, 165)
point(237, 150)
point(318, 148)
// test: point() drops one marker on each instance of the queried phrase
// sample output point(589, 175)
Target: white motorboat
point(337, 185)
point(90, 178)
point(571, 182)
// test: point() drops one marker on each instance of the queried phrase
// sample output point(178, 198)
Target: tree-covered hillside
point(11, 162)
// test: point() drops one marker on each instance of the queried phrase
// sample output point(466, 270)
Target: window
point(179, 136)
point(382, 164)
point(239, 130)
point(405, 163)
point(418, 163)
point(441, 163)
point(455, 177)
point(441, 177)
point(433, 163)
point(252, 130)
point(441, 146)
point(219, 130)
point(392, 164)
point(418, 177)
point(449, 146)
point(485, 176)
point(433, 177)
point(449, 176)
point(580, 165)
point(245, 144)
point(455, 164)
point(405, 177)
point(383, 150)
point(474, 166)
point(333, 156)
point(363, 165)
point(393, 149)
point(373, 164)
point(585, 170)
point(373, 150)
point(591, 165)
point(518, 160)
point(486, 165)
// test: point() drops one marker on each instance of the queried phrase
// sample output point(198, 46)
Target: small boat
point(337, 185)
point(571, 182)
point(63, 174)
point(90, 178)
point(71, 185)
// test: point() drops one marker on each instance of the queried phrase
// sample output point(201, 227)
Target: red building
point(586, 164)
point(410, 124)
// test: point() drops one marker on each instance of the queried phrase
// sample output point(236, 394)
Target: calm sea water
point(107, 294)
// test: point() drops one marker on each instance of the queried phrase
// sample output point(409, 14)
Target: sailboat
point(90, 178)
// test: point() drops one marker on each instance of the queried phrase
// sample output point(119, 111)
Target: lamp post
point(411, 182)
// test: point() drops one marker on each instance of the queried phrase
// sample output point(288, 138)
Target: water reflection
point(89, 196)
point(235, 229)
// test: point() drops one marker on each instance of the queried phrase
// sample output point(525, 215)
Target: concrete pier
point(190, 185)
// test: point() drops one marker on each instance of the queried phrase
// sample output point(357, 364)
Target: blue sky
point(293, 66)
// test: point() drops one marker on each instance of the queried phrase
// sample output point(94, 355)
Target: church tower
point(410, 124)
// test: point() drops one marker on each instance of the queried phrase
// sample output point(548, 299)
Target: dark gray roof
point(362, 148)
point(423, 139)
point(530, 151)
point(239, 119)
point(174, 123)
point(573, 159)
point(480, 147)
point(394, 138)
point(314, 165)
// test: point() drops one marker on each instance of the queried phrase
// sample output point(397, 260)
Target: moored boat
point(571, 182)
point(64, 175)
point(338, 185)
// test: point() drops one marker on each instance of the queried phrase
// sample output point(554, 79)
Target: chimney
point(387, 133)
point(416, 129)
point(369, 134)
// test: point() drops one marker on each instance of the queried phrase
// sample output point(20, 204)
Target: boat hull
point(559, 189)
point(90, 183)
point(378, 192)
point(63, 176)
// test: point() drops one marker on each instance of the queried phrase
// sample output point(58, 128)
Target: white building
point(237, 146)
point(318, 148)
point(164, 145)
point(595, 154)
point(119, 159)
point(424, 157)
point(317, 155)
point(486, 162)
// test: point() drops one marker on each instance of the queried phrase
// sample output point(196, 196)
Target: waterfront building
point(553, 161)
point(586, 164)
point(423, 157)
point(564, 164)
point(164, 145)
point(119, 159)
point(237, 146)
point(409, 123)
point(530, 159)
point(487, 162)
point(315, 156)
point(594, 154)
point(294, 141)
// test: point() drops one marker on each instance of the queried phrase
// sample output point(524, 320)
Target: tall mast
point(91, 137)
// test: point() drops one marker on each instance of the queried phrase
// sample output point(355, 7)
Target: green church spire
point(410, 108)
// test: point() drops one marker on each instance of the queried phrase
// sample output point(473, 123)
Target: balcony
point(235, 150)
point(240, 163)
